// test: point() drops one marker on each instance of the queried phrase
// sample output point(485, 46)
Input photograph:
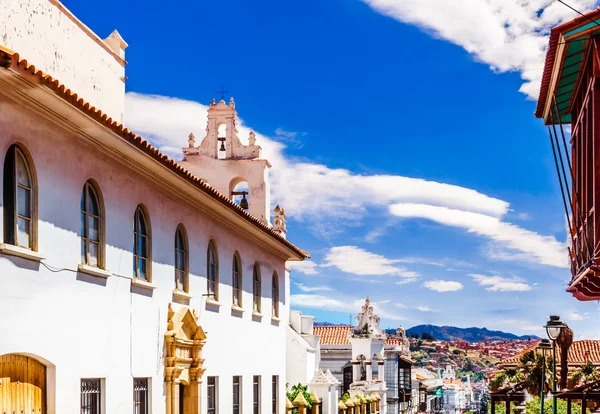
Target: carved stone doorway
point(184, 340)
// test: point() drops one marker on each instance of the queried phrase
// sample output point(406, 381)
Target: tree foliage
point(295, 390)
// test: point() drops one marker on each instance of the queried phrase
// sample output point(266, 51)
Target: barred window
point(91, 226)
point(212, 271)
point(140, 396)
point(256, 294)
point(141, 245)
point(256, 394)
point(275, 295)
point(237, 394)
point(211, 397)
point(274, 392)
point(91, 396)
point(181, 264)
point(237, 280)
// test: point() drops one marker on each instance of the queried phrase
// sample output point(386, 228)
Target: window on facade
point(181, 268)
point(211, 397)
point(140, 396)
point(274, 392)
point(141, 245)
point(236, 282)
point(275, 295)
point(91, 396)
point(212, 271)
point(256, 394)
point(237, 394)
point(18, 200)
point(91, 217)
point(404, 373)
point(256, 294)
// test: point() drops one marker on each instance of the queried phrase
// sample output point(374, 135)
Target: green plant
point(584, 375)
point(293, 393)
point(345, 397)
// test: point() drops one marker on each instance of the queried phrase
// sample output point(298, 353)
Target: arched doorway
point(22, 385)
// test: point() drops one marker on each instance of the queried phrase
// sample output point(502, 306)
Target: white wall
point(86, 326)
point(51, 38)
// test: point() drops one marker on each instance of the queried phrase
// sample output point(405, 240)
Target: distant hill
point(450, 333)
point(329, 324)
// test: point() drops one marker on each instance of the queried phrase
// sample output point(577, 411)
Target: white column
point(380, 376)
point(355, 371)
point(369, 370)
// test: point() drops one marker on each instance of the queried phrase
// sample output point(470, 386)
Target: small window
point(212, 271)
point(140, 396)
point(275, 295)
point(236, 282)
point(237, 394)
point(211, 397)
point(19, 200)
point(91, 396)
point(274, 393)
point(141, 245)
point(181, 260)
point(91, 226)
point(256, 295)
point(256, 394)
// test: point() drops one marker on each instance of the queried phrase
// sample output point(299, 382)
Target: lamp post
point(554, 326)
point(544, 346)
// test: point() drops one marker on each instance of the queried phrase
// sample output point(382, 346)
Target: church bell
point(222, 146)
point(244, 202)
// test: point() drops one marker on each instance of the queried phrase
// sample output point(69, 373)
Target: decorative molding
point(142, 283)
point(93, 270)
point(237, 309)
point(181, 294)
point(21, 252)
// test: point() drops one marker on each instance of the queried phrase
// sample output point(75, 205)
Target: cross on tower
point(222, 92)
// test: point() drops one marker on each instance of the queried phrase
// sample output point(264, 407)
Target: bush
point(427, 337)
point(296, 389)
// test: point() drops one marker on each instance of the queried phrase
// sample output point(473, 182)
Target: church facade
point(128, 281)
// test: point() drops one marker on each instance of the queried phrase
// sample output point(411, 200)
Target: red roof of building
point(338, 335)
point(581, 352)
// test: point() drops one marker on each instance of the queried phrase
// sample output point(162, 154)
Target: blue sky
point(402, 138)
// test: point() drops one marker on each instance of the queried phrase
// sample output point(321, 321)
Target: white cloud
point(424, 309)
point(541, 249)
point(579, 316)
point(406, 281)
point(352, 259)
point(308, 267)
point(310, 289)
point(501, 284)
point(443, 285)
point(338, 305)
point(507, 35)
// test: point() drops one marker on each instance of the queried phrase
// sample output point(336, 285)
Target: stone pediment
point(183, 325)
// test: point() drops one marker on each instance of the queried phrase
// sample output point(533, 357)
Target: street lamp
point(543, 346)
point(554, 326)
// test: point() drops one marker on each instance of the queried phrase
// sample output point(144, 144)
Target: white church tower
point(232, 168)
point(367, 340)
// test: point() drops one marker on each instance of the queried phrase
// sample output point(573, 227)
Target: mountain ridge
point(472, 334)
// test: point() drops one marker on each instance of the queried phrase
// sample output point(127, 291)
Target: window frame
point(91, 185)
point(256, 288)
point(236, 280)
point(239, 394)
point(10, 198)
point(214, 292)
point(141, 209)
point(99, 399)
point(215, 395)
point(275, 394)
point(256, 390)
point(275, 295)
point(184, 269)
point(143, 385)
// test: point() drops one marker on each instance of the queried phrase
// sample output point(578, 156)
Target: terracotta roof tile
point(10, 58)
point(338, 335)
point(580, 352)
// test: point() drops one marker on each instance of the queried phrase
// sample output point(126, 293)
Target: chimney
point(116, 43)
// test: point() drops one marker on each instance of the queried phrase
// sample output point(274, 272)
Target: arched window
point(275, 295)
point(19, 200)
point(181, 260)
point(142, 245)
point(236, 282)
point(212, 271)
point(238, 192)
point(256, 288)
point(91, 226)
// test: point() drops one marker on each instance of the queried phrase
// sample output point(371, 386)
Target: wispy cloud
point(579, 316)
point(290, 138)
point(338, 305)
point(424, 309)
point(311, 289)
point(501, 284)
point(308, 267)
point(507, 35)
point(443, 285)
point(540, 249)
point(352, 259)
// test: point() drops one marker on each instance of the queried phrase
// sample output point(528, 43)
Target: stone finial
point(288, 404)
point(341, 405)
point(279, 221)
point(314, 397)
point(213, 102)
point(349, 403)
point(300, 400)
point(252, 138)
point(231, 102)
point(191, 140)
point(116, 43)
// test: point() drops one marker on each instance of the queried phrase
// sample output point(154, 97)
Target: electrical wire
point(578, 12)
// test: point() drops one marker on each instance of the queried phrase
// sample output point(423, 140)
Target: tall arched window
point(212, 271)
point(236, 282)
point(275, 295)
point(19, 200)
point(181, 260)
point(142, 245)
point(256, 288)
point(91, 226)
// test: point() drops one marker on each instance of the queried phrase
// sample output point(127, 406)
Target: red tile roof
point(551, 55)
point(338, 335)
point(580, 353)
point(7, 60)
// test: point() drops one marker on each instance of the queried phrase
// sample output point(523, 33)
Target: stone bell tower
point(232, 168)
point(367, 340)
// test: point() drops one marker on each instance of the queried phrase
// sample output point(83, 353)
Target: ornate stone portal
point(184, 340)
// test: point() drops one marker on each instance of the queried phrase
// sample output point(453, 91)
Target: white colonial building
point(127, 283)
